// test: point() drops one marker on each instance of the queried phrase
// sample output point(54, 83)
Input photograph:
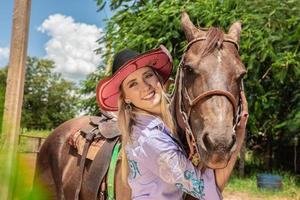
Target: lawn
point(247, 185)
point(37, 133)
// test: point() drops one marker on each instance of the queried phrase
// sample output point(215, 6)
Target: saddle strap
point(89, 140)
point(97, 170)
point(111, 172)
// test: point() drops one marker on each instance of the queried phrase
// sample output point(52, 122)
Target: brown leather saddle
point(95, 142)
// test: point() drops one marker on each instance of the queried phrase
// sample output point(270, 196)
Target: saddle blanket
point(77, 141)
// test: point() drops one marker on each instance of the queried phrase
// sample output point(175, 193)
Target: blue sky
point(47, 21)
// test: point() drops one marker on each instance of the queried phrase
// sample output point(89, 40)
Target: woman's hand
point(241, 127)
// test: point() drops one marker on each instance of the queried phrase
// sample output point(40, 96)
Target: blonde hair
point(126, 120)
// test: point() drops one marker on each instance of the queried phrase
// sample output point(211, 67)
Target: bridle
point(185, 112)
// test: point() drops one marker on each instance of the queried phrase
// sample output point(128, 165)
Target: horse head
point(209, 80)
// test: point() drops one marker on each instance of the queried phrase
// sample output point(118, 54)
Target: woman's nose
point(146, 85)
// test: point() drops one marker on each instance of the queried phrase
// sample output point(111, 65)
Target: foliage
point(3, 73)
point(269, 49)
point(88, 87)
point(49, 99)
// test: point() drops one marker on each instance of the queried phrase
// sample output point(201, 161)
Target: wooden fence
point(30, 144)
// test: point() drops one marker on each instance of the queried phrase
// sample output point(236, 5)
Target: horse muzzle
point(216, 152)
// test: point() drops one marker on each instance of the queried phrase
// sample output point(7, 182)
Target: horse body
point(206, 95)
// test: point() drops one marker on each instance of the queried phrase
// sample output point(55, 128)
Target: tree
point(49, 100)
point(3, 75)
point(269, 49)
point(88, 87)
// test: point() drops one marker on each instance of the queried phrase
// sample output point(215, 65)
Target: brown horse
point(204, 103)
point(208, 82)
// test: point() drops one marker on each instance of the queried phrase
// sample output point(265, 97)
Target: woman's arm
point(164, 158)
point(222, 175)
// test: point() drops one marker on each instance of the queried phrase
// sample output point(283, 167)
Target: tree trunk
point(268, 154)
point(295, 154)
point(242, 160)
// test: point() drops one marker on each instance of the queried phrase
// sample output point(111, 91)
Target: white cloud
point(4, 54)
point(71, 45)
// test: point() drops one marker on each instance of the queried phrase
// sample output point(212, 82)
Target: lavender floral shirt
point(159, 169)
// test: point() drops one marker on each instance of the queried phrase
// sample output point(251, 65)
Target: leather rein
point(184, 113)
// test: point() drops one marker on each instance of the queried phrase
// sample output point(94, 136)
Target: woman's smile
point(149, 96)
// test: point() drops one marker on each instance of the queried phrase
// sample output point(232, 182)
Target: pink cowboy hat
point(126, 62)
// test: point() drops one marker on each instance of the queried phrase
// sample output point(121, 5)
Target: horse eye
point(188, 68)
point(241, 76)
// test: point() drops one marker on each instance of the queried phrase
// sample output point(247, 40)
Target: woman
point(159, 168)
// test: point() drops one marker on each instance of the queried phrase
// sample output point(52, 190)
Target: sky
point(64, 31)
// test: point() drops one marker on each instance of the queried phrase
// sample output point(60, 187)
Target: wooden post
point(14, 93)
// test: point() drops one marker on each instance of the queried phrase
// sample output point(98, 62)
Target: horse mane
point(214, 39)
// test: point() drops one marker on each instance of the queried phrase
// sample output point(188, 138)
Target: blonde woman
point(153, 162)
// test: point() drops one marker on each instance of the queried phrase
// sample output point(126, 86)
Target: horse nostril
point(206, 142)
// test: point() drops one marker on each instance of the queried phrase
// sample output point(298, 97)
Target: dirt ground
point(239, 196)
point(246, 196)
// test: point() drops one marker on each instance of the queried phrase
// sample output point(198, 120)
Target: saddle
point(96, 142)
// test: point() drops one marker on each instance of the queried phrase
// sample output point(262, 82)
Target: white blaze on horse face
point(218, 73)
point(219, 58)
point(219, 115)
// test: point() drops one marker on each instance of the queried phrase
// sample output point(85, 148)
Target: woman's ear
point(128, 101)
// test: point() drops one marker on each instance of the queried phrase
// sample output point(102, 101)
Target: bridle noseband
point(184, 113)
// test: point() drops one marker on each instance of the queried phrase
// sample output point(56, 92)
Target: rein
point(184, 113)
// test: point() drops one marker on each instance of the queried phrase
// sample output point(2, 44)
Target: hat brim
point(108, 90)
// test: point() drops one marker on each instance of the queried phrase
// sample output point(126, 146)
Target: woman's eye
point(132, 84)
point(149, 75)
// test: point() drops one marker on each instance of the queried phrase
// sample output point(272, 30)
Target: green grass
point(37, 133)
point(290, 190)
point(22, 179)
point(25, 165)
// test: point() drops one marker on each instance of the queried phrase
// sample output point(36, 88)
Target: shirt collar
point(147, 120)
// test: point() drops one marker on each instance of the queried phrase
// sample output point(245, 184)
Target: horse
point(205, 104)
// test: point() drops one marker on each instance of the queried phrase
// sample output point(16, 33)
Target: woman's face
point(143, 89)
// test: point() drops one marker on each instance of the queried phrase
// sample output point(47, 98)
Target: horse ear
point(188, 27)
point(235, 31)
